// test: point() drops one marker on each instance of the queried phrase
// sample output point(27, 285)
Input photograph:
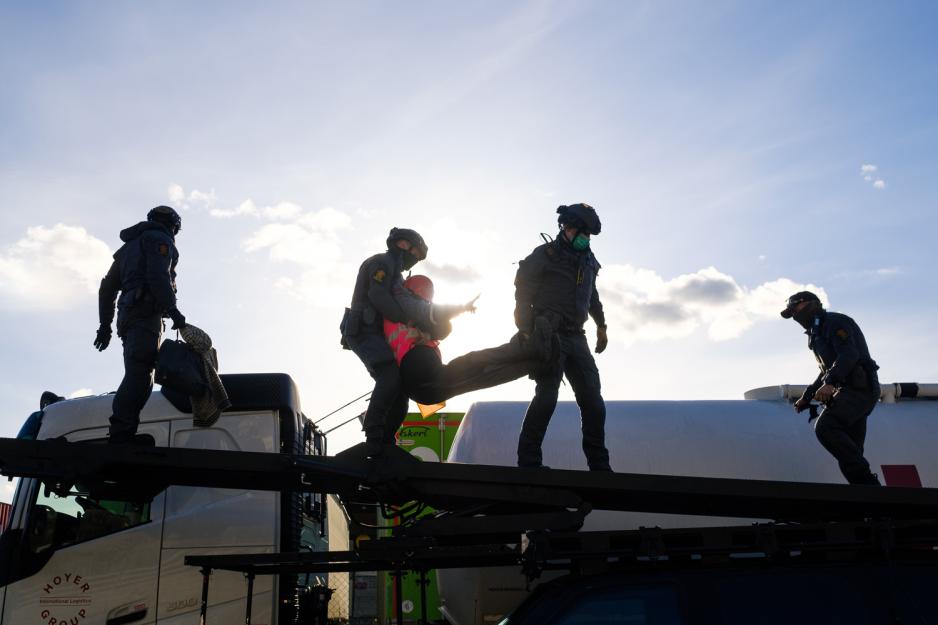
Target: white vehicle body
point(71, 561)
point(760, 439)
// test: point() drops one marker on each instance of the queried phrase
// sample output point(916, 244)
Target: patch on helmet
point(843, 334)
point(379, 276)
point(163, 249)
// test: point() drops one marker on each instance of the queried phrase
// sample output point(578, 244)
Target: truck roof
point(247, 392)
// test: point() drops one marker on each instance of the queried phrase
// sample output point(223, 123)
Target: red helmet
point(421, 286)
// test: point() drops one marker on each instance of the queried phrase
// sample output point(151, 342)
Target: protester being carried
point(427, 380)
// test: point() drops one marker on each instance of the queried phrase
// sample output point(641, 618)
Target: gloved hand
point(103, 338)
point(179, 321)
point(602, 340)
point(802, 404)
point(825, 393)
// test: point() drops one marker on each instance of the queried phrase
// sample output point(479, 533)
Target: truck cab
point(70, 556)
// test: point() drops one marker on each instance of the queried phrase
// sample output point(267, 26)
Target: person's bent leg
point(580, 369)
point(833, 431)
point(383, 399)
point(536, 419)
point(427, 381)
point(397, 413)
point(141, 346)
point(485, 368)
point(376, 355)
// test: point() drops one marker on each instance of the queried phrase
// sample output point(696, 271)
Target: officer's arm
point(107, 294)
point(441, 329)
point(527, 284)
point(809, 392)
point(393, 301)
point(596, 309)
point(158, 251)
point(847, 355)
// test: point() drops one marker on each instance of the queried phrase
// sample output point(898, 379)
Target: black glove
point(103, 338)
point(179, 321)
point(601, 339)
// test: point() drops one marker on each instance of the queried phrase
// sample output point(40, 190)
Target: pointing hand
point(470, 306)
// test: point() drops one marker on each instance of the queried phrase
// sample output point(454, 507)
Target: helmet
point(411, 237)
point(421, 286)
point(797, 298)
point(166, 216)
point(580, 216)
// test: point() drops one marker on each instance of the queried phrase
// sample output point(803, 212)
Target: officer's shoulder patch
point(163, 249)
point(842, 334)
point(378, 276)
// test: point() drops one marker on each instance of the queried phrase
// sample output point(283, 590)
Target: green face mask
point(580, 243)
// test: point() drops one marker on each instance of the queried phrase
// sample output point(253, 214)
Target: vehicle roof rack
point(462, 491)
point(482, 508)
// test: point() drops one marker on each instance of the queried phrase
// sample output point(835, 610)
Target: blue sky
point(722, 143)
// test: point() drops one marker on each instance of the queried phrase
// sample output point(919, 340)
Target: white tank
point(753, 438)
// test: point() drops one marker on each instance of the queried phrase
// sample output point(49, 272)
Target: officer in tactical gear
point(557, 281)
point(380, 294)
point(144, 274)
point(847, 385)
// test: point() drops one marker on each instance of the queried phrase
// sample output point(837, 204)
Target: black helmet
point(166, 216)
point(411, 236)
point(797, 298)
point(580, 216)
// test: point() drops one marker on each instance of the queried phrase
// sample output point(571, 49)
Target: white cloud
point(177, 194)
point(195, 199)
point(867, 171)
point(311, 239)
point(82, 392)
point(52, 268)
point(246, 207)
point(640, 305)
point(283, 210)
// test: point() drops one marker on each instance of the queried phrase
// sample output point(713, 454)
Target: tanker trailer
point(760, 437)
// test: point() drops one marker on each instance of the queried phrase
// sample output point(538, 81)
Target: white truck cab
point(70, 559)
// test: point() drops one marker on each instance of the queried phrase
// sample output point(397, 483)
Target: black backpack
point(180, 368)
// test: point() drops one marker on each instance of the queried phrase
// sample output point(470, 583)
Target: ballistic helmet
point(421, 286)
point(797, 298)
point(166, 216)
point(411, 237)
point(583, 217)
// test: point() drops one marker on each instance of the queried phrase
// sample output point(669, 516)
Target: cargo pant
point(141, 345)
point(841, 429)
point(387, 407)
point(577, 363)
point(428, 381)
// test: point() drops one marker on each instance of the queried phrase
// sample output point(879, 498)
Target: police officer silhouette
point(558, 281)
point(847, 385)
point(143, 274)
point(380, 294)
